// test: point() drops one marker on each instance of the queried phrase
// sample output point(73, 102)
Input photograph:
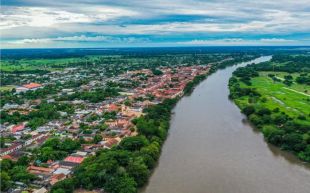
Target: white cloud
point(240, 41)
point(276, 40)
point(38, 20)
point(12, 17)
point(72, 40)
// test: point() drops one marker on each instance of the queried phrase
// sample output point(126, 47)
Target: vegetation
point(276, 101)
point(15, 172)
point(123, 168)
point(93, 96)
point(41, 115)
point(56, 149)
point(127, 166)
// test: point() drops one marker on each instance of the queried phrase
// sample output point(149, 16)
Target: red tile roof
point(18, 128)
point(7, 157)
point(113, 107)
point(74, 159)
point(32, 85)
point(57, 177)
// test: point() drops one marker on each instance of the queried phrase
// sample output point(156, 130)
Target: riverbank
point(211, 149)
point(136, 155)
point(276, 104)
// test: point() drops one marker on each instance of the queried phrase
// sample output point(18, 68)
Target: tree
point(24, 161)
point(6, 164)
point(97, 138)
point(293, 141)
point(64, 186)
point(288, 77)
point(264, 111)
point(5, 181)
point(69, 145)
point(36, 122)
point(248, 110)
point(20, 174)
point(157, 72)
point(146, 127)
point(121, 184)
point(139, 171)
point(280, 119)
point(305, 155)
point(133, 143)
point(2, 142)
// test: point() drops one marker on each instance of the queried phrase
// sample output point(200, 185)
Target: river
point(211, 148)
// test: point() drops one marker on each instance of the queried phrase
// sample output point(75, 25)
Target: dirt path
point(296, 91)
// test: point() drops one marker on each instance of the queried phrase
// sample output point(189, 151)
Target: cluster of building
point(151, 90)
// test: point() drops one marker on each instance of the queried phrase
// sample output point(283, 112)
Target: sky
point(145, 23)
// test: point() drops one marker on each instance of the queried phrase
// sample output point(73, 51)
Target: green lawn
point(293, 100)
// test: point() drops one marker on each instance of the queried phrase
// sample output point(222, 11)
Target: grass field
point(7, 88)
point(42, 64)
point(294, 100)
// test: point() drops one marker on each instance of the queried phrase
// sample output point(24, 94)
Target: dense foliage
point(12, 171)
point(56, 149)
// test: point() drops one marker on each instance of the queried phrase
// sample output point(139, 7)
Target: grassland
point(294, 100)
point(42, 64)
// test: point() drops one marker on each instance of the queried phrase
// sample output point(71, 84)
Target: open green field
point(7, 88)
point(42, 64)
point(294, 100)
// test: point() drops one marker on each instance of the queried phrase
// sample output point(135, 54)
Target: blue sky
point(134, 23)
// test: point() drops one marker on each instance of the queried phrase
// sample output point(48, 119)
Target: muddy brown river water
point(211, 148)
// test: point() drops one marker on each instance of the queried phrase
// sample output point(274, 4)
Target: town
point(72, 123)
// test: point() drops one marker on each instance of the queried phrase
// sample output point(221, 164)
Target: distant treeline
point(81, 52)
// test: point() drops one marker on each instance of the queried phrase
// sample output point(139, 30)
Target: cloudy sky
point(132, 23)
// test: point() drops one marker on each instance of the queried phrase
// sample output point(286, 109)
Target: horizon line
point(180, 46)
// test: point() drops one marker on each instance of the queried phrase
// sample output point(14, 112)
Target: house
point(74, 159)
point(67, 165)
point(6, 157)
point(41, 190)
point(27, 87)
point(32, 86)
point(64, 171)
point(8, 106)
point(81, 153)
point(39, 170)
point(19, 127)
point(110, 143)
point(39, 138)
point(11, 149)
point(56, 178)
point(113, 107)
point(21, 89)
